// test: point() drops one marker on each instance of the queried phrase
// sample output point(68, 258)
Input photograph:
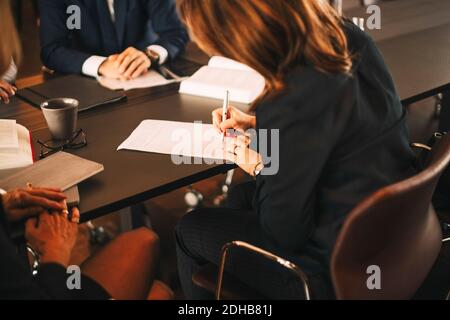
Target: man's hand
point(133, 63)
point(21, 204)
point(110, 68)
point(6, 91)
point(53, 236)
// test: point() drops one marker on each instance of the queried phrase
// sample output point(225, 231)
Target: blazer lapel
point(121, 10)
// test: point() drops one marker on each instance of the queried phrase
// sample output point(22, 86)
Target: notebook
point(86, 90)
point(222, 74)
point(60, 170)
point(16, 151)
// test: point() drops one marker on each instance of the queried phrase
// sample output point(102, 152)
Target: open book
point(222, 74)
point(16, 151)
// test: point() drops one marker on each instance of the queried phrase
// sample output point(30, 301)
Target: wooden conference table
point(415, 41)
point(129, 177)
point(132, 177)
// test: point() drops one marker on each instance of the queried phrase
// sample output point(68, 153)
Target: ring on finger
point(75, 220)
point(65, 212)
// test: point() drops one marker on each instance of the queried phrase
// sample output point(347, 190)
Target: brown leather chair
point(395, 229)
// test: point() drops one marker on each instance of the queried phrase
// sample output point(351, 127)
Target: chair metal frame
point(427, 148)
point(281, 261)
point(265, 254)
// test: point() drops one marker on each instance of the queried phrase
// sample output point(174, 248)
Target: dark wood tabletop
point(129, 177)
point(402, 17)
point(419, 62)
point(132, 177)
point(415, 42)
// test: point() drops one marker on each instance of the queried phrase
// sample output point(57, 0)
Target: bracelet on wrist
point(258, 169)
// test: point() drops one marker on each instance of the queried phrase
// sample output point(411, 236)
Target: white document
point(150, 79)
point(177, 138)
point(221, 75)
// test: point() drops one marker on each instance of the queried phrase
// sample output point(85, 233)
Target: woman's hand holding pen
point(236, 120)
point(237, 148)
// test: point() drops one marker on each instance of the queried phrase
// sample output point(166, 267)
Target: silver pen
point(226, 102)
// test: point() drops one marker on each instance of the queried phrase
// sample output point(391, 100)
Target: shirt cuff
point(91, 66)
point(11, 74)
point(161, 51)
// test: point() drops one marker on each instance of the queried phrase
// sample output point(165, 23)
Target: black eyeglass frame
point(70, 144)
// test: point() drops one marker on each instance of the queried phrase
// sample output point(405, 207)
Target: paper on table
point(9, 138)
point(176, 138)
point(150, 79)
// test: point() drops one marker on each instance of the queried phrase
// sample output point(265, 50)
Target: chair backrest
point(395, 230)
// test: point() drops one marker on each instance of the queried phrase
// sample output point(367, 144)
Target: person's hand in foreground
point(20, 204)
point(53, 236)
point(7, 90)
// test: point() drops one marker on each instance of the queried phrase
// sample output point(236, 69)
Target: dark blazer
point(16, 282)
point(341, 138)
point(138, 23)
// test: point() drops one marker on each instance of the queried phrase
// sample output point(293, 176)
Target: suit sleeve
point(15, 279)
point(286, 200)
point(56, 51)
point(166, 23)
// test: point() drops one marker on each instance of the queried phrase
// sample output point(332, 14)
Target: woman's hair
point(271, 36)
point(9, 41)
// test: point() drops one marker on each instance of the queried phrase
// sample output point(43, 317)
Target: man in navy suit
point(118, 39)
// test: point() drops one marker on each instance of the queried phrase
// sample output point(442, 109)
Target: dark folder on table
point(86, 90)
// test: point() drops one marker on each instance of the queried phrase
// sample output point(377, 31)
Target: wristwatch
point(258, 168)
point(153, 56)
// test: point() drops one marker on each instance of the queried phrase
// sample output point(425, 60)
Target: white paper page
point(225, 63)
point(177, 138)
point(150, 79)
point(20, 157)
point(244, 86)
point(9, 138)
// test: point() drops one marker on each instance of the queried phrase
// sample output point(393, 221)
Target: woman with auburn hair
point(342, 136)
